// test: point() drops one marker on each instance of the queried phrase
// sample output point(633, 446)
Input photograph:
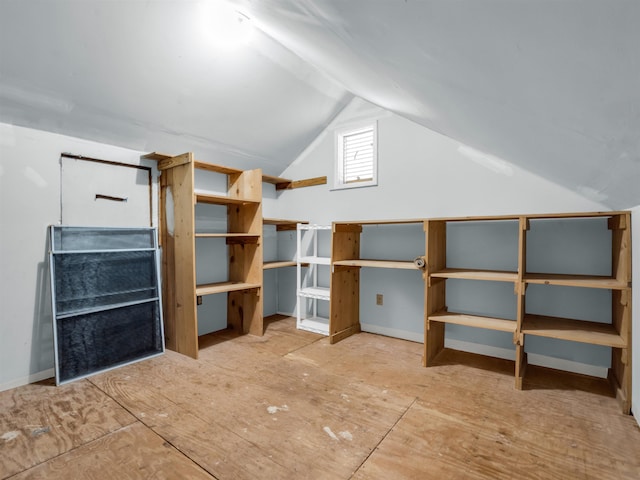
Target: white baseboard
point(532, 358)
point(286, 314)
point(567, 365)
point(392, 332)
point(480, 349)
point(36, 377)
point(498, 352)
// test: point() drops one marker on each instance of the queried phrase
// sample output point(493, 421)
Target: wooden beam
point(212, 167)
point(275, 180)
point(309, 182)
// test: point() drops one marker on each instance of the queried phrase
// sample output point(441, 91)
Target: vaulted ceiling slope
point(145, 75)
point(552, 86)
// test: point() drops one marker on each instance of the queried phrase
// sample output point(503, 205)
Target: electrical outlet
point(379, 299)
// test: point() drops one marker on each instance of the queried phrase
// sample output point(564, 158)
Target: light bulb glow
point(225, 27)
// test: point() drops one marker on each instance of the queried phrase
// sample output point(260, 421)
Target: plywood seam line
point(141, 421)
point(292, 352)
point(415, 399)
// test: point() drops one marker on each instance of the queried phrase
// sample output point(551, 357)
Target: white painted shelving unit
point(307, 286)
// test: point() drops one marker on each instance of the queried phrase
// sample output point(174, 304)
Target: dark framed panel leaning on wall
point(105, 298)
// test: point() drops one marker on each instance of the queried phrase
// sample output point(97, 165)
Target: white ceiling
point(552, 86)
point(143, 75)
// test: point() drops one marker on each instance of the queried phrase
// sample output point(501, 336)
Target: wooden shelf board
point(476, 321)
point(283, 224)
point(232, 238)
point(487, 218)
point(223, 287)
point(492, 218)
point(282, 221)
point(281, 264)
point(400, 264)
point(470, 274)
point(157, 156)
point(573, 330)
point(222, 199)
point(539, 216)
point(575, 215)
point(587, 281)
point(275, 180)
point(307, 182)
point(227, 235)
point(382, 222)
point(212, 167)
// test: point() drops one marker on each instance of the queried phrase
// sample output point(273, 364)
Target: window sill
point(348, 186)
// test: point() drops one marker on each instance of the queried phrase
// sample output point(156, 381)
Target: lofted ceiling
point(145, 75)
point(551, 86)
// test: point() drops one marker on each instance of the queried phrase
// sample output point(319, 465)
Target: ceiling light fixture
point(226, 27)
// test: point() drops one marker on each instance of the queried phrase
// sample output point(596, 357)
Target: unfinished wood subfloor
point(289, 405)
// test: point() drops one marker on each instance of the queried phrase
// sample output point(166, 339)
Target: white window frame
point(339, 182)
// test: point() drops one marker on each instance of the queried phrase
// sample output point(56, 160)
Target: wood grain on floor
point(289, 405)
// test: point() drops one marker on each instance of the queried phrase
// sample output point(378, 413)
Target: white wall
point(421, 174)
point(635, 311)
point(29, 203)
point(425, 174)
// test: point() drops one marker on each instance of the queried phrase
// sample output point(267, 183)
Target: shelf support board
point(309, 182)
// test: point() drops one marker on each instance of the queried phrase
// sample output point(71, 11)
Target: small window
point(357, 157)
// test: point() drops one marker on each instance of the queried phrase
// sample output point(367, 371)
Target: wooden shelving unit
point(437, 273)
point(282, 225)
point(614, 332)
point(345, 277)
point(594, 333)
point(243, 238)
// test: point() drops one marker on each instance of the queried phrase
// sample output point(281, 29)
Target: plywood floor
point(289, 405)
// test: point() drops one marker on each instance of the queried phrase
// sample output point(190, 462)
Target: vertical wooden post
point(434, 294)
point(620, 371)
point(179, 280)
point(344, 317)
point(520, 289)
